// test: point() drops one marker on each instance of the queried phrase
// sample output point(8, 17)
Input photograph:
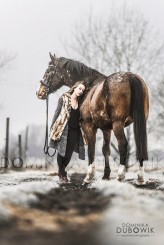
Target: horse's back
point(110, 100)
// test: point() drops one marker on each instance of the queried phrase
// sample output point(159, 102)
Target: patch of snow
point(20, 187)
point(130, 205)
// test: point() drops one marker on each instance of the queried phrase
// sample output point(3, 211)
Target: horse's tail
point(139, 118)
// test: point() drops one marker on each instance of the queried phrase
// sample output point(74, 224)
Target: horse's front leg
point(90, 132)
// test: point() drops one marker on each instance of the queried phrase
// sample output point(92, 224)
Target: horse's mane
point(78, 68)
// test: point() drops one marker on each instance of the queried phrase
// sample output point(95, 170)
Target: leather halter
point(47, 81)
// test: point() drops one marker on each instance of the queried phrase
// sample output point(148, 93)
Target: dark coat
point(61, 144)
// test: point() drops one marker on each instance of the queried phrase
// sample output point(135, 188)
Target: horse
point(111, 103)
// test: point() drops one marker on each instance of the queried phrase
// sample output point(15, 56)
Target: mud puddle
point(69, 214)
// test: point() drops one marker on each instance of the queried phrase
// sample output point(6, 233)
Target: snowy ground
point(19, 187)
point(129, 206)
point(133, 207)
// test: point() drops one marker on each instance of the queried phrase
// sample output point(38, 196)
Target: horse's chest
point(93, 110)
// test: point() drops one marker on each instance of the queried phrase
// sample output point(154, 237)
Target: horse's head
point(55, 77)
point(63, 71)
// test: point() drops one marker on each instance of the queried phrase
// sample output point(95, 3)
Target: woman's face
point(79, 90)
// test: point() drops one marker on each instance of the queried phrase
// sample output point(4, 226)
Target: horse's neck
point(89, 80)
point(71, 82)
point(95, 80)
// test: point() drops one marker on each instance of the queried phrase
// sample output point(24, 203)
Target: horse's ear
point(53, 58)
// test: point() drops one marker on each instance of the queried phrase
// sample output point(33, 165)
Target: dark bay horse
point(111, 103)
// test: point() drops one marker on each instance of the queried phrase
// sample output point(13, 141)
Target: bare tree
point(124, 41)
point(157, 98)
point(5, 59)
point(5, 62)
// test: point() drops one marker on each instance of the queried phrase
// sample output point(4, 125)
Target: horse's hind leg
point(122, 146)
point(90, 131)
point(141, 174)
point(106, 153)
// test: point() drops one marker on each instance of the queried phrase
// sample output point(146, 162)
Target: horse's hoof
point(121, 177)
point(121, 173)
point(85, 184)
point(140, 178)
point(140, 181)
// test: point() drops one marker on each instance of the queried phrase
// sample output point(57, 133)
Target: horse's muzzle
point(41, 92)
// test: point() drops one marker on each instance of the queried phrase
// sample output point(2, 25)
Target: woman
point(66, 134)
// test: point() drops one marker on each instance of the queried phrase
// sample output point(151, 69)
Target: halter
point(48, 81)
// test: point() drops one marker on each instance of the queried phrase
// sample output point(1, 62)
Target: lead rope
point(46, 147)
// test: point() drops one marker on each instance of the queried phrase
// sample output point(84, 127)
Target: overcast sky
point(32, 28)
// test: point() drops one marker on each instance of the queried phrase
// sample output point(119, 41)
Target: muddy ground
point(74, 214)
point(69, 214)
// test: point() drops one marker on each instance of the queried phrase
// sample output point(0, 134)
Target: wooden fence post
point(7, 143)
point(20, 146)
point(26, 144)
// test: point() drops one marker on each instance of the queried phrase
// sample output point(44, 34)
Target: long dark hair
point(71, 90)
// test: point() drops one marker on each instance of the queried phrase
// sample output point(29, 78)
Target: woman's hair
point(76, 85)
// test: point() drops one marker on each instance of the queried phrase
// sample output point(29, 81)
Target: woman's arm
point(58, 110)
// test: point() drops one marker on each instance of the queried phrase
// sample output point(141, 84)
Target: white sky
point(32, 28)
